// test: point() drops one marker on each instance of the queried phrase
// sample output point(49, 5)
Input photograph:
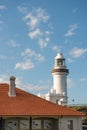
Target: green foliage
point(81, 109)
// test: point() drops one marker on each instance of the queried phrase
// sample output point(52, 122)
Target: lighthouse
point(58, 93)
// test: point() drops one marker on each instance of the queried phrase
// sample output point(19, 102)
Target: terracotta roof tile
point(28, 104)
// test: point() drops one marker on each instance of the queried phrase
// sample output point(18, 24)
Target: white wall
point(77, 125)
point(60, 82)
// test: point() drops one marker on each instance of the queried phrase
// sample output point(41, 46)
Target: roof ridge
point(5, 84)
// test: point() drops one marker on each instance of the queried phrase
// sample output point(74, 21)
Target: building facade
point(40, 123)
point(20, 110)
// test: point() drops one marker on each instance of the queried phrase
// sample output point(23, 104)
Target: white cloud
point(77, 52)
point(47, 32)
point(75, 10)
point(22, 9)
point(30, 53)
point(42, 15)
point(2, 57)
point(1, 22)
point(36, 88)
point(35, 17)
point(35, 33)
point(47, 39)
point(29, 56)
point(32, 21)
point(83, 79)
point(13, 43)
point(6, 79)
point(40, 87)
point(44, 42)
point(37, 21)
point(26, 65)
point(56, 48)
point(3, 79)
point(69, 60)
point(71, 30)
point(70, 83)
point(2, 7)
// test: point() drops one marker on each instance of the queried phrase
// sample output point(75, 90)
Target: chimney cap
point(12, 78)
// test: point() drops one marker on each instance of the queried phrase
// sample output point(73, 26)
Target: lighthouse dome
point(59, 56)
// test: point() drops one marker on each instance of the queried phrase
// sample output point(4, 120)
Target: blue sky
point(31, 34)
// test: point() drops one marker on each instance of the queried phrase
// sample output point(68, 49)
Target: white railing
point(82, 104)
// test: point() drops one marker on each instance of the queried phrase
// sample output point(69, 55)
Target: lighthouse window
point(60, 62)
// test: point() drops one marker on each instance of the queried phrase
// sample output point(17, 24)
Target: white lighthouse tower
point(58, 93)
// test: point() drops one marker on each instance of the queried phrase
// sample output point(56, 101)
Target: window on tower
point(59, 62)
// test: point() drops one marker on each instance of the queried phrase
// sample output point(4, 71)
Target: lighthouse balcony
point(60, 70)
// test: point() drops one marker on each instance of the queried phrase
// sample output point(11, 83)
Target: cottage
point(20, 110)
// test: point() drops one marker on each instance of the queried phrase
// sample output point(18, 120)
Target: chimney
point(12, 85)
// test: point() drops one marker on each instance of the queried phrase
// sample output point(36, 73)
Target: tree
point(81, 109)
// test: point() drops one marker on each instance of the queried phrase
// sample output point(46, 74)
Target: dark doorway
point(1, 123)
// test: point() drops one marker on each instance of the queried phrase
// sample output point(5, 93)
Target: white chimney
point(12, 85)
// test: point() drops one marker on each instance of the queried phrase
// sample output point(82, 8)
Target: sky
point(32, 32)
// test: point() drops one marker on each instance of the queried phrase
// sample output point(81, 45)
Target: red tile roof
point(26, 104)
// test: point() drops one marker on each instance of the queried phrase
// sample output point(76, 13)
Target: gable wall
point(76, 122)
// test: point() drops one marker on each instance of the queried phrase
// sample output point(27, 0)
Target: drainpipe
point(30, 123)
